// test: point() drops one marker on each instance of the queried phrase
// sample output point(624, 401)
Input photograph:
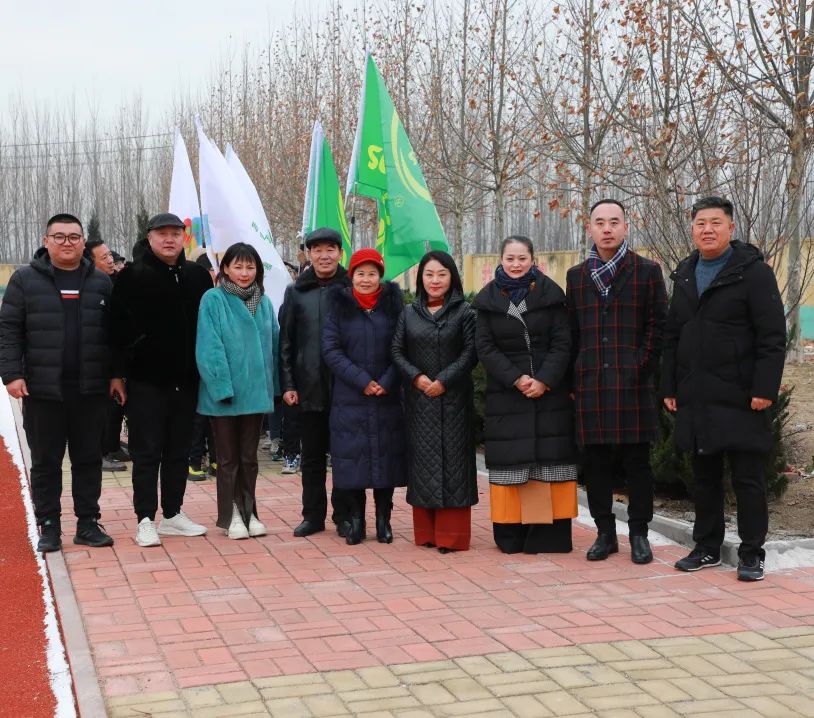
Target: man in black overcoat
point(617, 302)
point(724, 350)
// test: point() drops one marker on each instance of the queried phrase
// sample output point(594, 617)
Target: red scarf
point(368, 301)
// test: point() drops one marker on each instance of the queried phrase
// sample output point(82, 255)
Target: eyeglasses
point(63, 238)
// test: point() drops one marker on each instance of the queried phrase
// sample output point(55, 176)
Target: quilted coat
point(236, 355)
point(440, 431)
point(523, 432)
point(616, 349)
point(722, 350)
point(368, 448)
point(32, 330)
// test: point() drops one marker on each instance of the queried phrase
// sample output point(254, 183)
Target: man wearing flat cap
point(304, 378)
point(154, 320)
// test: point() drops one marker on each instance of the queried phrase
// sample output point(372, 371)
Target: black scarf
point(518, 288)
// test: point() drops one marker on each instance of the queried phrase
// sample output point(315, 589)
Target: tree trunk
point(794, 190)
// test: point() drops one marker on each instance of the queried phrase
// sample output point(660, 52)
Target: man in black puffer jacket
point(306, 381)
point(724, 348)
point(55, 356)
point(154, 314)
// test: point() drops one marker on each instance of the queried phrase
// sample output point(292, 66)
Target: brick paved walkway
point(302, 627)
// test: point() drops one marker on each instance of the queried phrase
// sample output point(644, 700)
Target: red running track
point(25, 688)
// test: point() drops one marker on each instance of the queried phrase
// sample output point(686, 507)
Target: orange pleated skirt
point(535, 502)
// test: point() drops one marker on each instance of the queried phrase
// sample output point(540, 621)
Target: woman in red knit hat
point(367, 425)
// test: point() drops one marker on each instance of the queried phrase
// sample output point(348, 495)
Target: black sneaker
point(698, 559)
point(89, 533)
point(50, 536)
point(750, 569)
point(278, 455)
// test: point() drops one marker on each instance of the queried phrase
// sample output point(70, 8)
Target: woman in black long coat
point(434, 348)
point(524, 342)
point(367, 422)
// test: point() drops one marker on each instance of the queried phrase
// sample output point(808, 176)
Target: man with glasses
point(55, 356)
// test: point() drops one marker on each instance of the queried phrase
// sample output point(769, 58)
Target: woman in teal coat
point(237, 354)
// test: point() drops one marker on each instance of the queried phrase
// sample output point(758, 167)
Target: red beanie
point(368, 254)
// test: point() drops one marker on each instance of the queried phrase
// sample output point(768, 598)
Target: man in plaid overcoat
point(617, 304)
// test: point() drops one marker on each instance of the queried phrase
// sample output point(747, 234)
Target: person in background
point(524, 342)
point(434, 348)
point(305, 380)
point(112, 452)
point(290, 446)
point(724, 351)
point(119, 262)
point(617, 303)
point(154, 310)
point(55, 356)
point(367, 423)
point(236, 354)
point(203, 440)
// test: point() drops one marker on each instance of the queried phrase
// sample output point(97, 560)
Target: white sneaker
point(256, 527)
point(146, 535)
point(180, 525)
point(237, 529)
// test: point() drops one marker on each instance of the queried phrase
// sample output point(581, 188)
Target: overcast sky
point(113, 49)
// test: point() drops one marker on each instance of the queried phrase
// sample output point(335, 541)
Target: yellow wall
point(6, 270)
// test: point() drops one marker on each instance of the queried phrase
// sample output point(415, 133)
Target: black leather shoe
point(384, 533)
point(342, 528)
point(50, 536)
point(604, 546)
point(306, 528)
point(640, 551)
point(356, 531)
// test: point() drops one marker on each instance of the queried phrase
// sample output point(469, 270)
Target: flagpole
point(352, 217)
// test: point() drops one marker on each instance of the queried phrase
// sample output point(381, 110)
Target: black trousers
point(79, 421)
point(236, 438)
point(316, 442)
point(160, 422)
point(598, 460)
point(202, 442)
point(749, 484)
point(291, 430)
point(111, 441)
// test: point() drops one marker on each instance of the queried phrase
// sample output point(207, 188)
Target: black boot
point(356, 531)
point(384, 534)
point(604, 545)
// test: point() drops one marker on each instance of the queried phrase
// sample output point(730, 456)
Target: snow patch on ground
point(60, 674)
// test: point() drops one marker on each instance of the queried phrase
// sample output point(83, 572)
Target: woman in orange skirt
point(524, 343)
point(434, 348)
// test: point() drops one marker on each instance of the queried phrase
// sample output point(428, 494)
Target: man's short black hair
point(608, 200)
point(65, 218)
point(90, 245)
point(713, 202)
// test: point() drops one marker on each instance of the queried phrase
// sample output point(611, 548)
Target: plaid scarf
point(517, 289)
point(603, 272)
point(251, 295)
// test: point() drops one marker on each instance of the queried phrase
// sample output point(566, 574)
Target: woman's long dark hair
point(448, 263)
point(246, 253)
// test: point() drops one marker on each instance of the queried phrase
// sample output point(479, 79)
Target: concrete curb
point(87, 692)
point(681, 531)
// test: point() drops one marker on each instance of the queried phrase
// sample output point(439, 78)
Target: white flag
point(230, 216)
point(184, 196)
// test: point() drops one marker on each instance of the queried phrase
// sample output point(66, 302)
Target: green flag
point(324, 206)
point(384, 167)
